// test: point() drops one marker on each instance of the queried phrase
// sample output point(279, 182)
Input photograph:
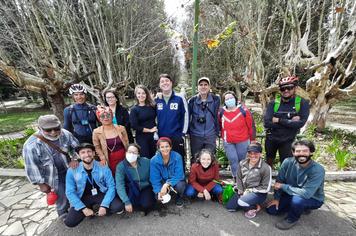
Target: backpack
point(277, 103)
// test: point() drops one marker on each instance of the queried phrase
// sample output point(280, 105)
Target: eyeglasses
point(56, 129)
point(113, 97)
point(136, 153)
point(105, 115)
point(284, 88)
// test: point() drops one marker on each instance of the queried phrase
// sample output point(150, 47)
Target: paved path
point(23, 211)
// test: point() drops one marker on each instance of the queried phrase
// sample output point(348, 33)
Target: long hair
point(205, 151)
point(149, 101)
point(113, 92)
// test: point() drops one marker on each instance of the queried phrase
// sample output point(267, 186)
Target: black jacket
point(123, 118)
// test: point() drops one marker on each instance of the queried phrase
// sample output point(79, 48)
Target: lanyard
point(91, 181)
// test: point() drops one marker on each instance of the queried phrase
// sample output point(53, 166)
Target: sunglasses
point(286, 88)
point(105, 115)
point(56, 129)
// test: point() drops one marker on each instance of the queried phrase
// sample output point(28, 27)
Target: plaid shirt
point(39, 158)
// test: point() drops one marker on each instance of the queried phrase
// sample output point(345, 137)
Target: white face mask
point(130, 157)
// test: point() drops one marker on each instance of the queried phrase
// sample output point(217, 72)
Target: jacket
point(286, 129)
point(141, 175)
point(201, 179)
point(257, 179)
point(76, 180)
point(39, 163)
point(171, 173)
point(305, 182)
point(235, 127)
point(171, 116)
point(208, 112)
point(100, 144)
point(123, 118)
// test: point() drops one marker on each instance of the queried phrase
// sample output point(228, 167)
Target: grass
point(18, 121)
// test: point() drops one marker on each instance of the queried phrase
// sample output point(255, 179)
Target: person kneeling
point(166, 172)
point(89, 185)
point(202, 176)
point(132, 181)
point(254, 179)
point(299, 186)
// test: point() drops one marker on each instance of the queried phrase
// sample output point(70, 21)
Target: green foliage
point(310, 132)
point(342, 155)
point(258, 122)
point(11, 151)
point(221, 157)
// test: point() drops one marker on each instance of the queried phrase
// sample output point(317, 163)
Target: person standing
point(90, 185)
point(203, 118)
point(299, 186)
point(79, 118)
point(143, 120)
point(237, 130)
point(47, 155)
point(283, 118)
point(171, 115)
point(120, 113)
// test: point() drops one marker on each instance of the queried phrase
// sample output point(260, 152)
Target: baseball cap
point(204, 79)
point(48, 122)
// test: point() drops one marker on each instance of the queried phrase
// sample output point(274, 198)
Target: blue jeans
point(146, 200)
point(236, 152)
point(192, 192)
point(246, 202)
point(294, 205)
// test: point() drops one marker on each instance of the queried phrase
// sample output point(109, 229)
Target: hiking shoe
point(307, 212)
point(179, 202)
point(250, 213)
point(119, 212)
point(285, 224)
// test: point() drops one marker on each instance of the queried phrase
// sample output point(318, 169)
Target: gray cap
point(206, 79)
point(48, 122)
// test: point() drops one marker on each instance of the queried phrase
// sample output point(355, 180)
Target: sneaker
point(285, 224)
point(119, 212)
point(250, 214)
point(179, 202)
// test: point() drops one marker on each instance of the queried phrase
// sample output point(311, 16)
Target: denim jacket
point(76, 180)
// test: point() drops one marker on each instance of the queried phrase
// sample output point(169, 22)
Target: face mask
point(50, 138)
point(130, 157)
point(230, 103)
point(302, 159)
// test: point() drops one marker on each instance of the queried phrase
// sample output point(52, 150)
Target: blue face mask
point(230, 103)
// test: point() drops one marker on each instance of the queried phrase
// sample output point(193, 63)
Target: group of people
point(101, 170)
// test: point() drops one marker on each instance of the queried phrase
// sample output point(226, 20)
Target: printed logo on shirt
point(159, 106)
point(174, 106)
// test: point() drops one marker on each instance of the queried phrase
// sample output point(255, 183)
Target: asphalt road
point(204, 218)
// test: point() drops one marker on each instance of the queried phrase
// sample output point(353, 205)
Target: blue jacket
point(80, 119)
point(76, 180)
point(304, 182)
point(209, 112)
point(171, 173)
point(141, 175)
point(171, 116)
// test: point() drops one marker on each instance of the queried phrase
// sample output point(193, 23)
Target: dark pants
point(178, 146)
point(62, 204)
point(146, 200)
point(246, 202)
point(294, 205)
point(284, 149)
point(147, 144)
point(198, 143)
point(180, 189)
point(74, 217)
point(84, 139)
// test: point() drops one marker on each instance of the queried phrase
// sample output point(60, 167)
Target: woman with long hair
point(143, 121)
point(110, 140)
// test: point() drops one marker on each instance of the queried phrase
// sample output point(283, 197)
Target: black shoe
point(179, 202)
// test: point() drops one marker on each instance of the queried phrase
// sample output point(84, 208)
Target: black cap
point(84, 145)
point(254, 147)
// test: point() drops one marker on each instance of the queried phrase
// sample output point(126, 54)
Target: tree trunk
point(58, 105)
point(318, 113)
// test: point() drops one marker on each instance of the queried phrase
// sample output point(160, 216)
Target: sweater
point(140, 175)
point(305, 182)
point(142, 117)
point(201, 179)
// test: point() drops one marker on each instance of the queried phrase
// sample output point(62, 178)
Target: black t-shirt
point(142, 117)
point(89, 186)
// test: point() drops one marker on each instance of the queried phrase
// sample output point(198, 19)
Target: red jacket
point(235, 127)
point(201, 179)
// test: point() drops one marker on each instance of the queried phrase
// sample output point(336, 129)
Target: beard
point(88, 162)
point(302, 159)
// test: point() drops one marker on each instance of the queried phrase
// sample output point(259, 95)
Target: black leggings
point(74, 217)
point(147, 144)
point(284, 149)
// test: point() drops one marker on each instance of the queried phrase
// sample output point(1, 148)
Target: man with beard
point(299, 187)
point(90, 186)
point(283, 118)
point(47, 157)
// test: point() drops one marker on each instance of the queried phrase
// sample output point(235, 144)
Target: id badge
point(84, 122)
point(94, 192)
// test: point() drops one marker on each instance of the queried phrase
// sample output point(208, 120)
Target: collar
point(82, 169)
point(247, 161)
point(208, 99)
